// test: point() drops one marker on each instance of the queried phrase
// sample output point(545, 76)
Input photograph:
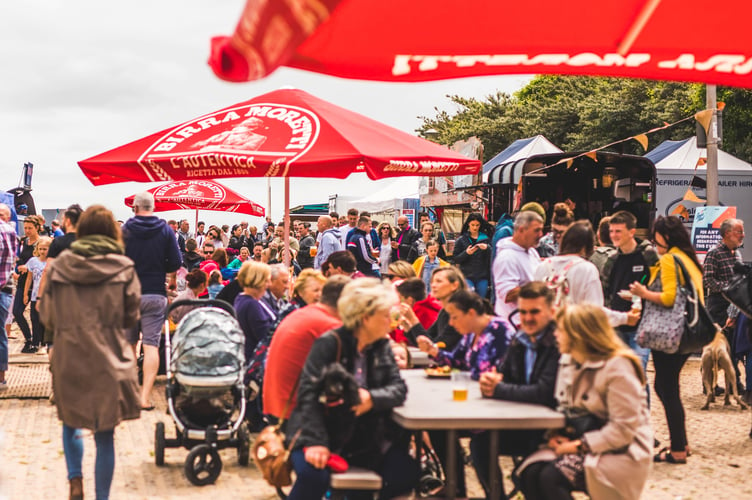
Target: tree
point(584, 113)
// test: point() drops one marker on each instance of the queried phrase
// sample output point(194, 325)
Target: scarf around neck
point(96, 244)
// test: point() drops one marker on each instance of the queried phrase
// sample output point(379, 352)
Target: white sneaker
point(42, 350)
point(3, 385)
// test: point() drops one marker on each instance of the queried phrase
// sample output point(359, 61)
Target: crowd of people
point(545, 319)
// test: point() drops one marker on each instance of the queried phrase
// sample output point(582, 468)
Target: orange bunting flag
point(703, 118)
point(720, 105)
point(681, 212)
point(691, 196)
point(643, 140)
point(593, 155)
point(570, 162)
point(701, 162)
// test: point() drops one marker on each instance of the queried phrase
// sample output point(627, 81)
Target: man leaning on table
point(527, 374)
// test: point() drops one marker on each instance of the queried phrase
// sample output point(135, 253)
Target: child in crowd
point(215, 284)
point(401, 355)
point(425, 265)
point(35, 266)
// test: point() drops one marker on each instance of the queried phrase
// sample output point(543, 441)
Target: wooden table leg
point(451, 464)
point(493, 447)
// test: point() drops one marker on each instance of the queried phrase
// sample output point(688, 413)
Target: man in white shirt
point(516, 261)
point(352, 223)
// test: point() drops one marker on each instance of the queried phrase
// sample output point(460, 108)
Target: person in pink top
point(291, 342)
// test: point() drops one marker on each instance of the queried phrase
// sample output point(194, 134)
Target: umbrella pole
point(287, 222)
point(195, 226)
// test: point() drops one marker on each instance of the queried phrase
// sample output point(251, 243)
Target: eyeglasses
point(658, 244)
point(532, 312)
point(400, 224)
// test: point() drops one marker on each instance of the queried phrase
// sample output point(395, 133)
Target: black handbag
point(739, 290)
point(575, 425)
point(699, 328)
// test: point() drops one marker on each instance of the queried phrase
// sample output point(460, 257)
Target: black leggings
point(667, 369)
point(543, 481)
point(37, 329)
point(19, 307)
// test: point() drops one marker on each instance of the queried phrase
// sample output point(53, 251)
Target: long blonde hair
point(590, 333)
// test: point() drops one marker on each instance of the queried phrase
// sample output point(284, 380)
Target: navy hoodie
point(151, 245)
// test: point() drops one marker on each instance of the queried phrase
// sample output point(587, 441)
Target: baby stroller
point(205, 393)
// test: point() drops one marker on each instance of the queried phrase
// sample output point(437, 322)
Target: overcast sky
point(80, 77)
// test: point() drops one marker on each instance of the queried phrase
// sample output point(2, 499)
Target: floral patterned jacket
point(485, 354)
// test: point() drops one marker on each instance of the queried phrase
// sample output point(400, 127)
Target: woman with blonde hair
point(361, 346)
point(256, 318)
point(307, 288)
point(444, 282)
point(606, 446)
point(400, 270)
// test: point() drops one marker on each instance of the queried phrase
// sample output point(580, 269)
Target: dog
point(338, 393)
point(717, 356)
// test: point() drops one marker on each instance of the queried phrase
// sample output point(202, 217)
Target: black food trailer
point(600, 183)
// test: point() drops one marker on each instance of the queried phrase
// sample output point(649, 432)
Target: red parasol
point(200, 194)
point(285, 133)
point(421, 40)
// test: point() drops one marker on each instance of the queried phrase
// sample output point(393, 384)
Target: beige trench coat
point(87, 304)
point(621, 457)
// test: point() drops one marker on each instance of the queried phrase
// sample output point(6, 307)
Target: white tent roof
point(684, 155)
point(518, 150)
point(388, 195)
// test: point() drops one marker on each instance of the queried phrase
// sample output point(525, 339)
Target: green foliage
point(584, 113)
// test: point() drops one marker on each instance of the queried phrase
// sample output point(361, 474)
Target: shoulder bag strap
point(692, 297)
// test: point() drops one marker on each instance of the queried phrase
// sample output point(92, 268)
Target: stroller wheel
point(244, 444)
point(202, 465)
point(159, 443)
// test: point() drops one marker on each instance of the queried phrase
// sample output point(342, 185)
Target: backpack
point(559, 283)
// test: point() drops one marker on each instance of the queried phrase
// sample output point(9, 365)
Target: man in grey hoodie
point(329, 240)
point(151, 245)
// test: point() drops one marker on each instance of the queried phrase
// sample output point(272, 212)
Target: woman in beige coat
point(612, 458)
point(92, 294)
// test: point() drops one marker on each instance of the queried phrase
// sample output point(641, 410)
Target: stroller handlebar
point(221, 304)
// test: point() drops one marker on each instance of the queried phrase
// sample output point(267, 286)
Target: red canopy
point(200, 194)
point(420, 40)
point(285, 133)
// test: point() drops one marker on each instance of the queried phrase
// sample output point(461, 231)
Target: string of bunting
point(703, 117)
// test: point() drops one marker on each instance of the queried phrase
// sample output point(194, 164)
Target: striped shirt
point(8, 249)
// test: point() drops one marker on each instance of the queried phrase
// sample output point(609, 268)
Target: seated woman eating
point(606, 449)
point(484, 337)
point(370, 439)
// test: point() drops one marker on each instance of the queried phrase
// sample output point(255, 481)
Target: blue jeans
point(6, 299)
point(643, 353)
point(104, 467)
point(398, 470)
point(478, 286)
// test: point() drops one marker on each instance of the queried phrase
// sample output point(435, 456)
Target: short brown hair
point(98, 219)
point(535, 290)
point(624, 217)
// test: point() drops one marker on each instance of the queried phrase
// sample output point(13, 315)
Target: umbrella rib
point(636, 28)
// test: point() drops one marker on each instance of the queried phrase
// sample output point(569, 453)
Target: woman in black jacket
point(472, 253)
point(370, 439)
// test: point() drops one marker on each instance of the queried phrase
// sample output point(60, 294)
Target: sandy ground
point(33, 465)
